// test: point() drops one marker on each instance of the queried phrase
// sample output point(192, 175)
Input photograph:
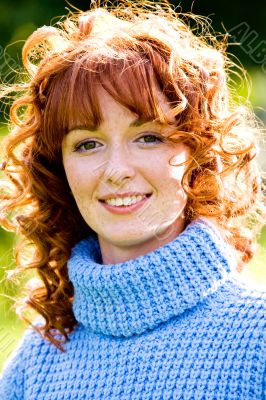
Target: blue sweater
point(172, 324)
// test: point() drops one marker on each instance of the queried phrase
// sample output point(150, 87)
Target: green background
point(21, 17)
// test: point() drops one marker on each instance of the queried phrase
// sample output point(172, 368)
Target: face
point(124, 157)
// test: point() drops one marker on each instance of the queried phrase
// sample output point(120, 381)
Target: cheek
point(178, 166)
point(79, 179)
point(171, 193)
point(176, 174)
point(170, 176)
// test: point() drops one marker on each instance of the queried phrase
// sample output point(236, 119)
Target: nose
point(118, 167)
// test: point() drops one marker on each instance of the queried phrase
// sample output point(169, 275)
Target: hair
point(130, 50)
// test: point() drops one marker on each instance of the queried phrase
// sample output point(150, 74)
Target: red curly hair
point(129, 50)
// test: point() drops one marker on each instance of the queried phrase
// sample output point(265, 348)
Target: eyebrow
point(137, 122)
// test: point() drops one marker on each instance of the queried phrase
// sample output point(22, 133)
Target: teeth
point(125, 201)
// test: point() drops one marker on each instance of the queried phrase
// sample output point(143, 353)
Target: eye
point(90, 145)
point(152, 139)
point(87, 145)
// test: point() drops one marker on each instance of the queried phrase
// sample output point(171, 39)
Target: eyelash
point(78, 147)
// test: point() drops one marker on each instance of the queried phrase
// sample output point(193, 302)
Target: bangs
point(72, 99)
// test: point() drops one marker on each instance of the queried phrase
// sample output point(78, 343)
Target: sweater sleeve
point(12, 377)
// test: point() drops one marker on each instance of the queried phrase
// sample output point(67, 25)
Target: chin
point(126, 239)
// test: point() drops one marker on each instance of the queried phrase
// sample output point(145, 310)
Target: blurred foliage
point(19, 18)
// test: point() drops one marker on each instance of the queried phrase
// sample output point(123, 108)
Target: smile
point(125, 205)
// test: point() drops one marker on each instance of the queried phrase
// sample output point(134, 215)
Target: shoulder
point(30, 342)
point(13, 374)
point(32, 351)
point(241, 306)
point(237, 317)
point(240, 293)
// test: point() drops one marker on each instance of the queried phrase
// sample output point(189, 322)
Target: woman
point(135, 182)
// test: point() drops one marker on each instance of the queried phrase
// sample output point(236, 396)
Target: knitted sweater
point(172, 324)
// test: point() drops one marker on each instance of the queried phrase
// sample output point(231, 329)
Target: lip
point(121, 195)
point(125, 209)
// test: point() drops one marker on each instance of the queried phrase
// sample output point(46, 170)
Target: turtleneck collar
point(130, 297)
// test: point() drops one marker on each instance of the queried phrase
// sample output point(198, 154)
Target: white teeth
point(125, 201)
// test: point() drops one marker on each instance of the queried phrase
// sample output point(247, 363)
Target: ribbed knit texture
point(172, 324)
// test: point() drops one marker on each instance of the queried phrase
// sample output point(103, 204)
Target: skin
point(120, 159)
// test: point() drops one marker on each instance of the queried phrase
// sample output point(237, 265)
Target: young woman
point(134, 184)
